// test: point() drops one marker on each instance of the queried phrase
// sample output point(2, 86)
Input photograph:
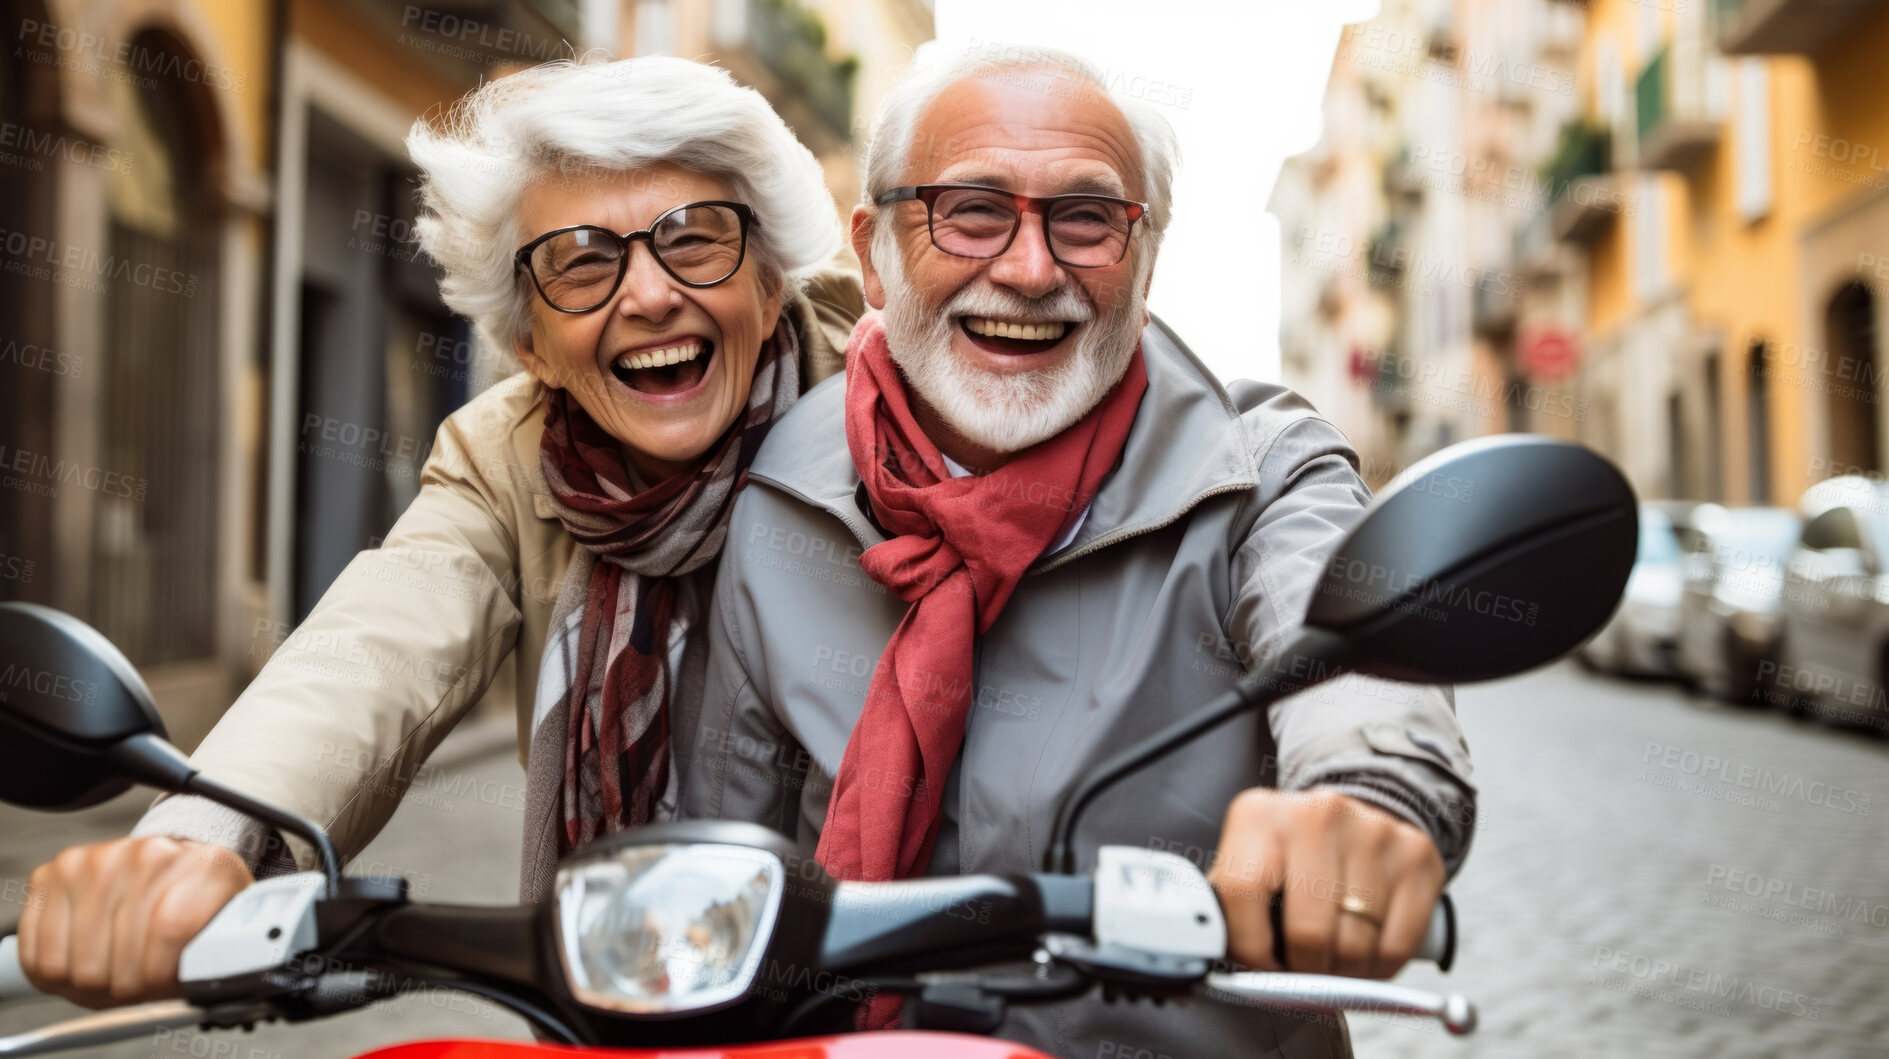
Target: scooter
point(1487, 559)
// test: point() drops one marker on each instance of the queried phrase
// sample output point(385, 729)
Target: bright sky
point(1241, 81)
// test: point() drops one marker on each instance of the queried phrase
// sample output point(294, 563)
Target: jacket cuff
point(1436, 804)
point(197, 819)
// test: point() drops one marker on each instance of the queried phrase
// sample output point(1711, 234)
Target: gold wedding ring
point(1359, 907)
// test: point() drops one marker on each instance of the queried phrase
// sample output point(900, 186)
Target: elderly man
point(1029, 528)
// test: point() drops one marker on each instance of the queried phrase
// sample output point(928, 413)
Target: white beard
point(1005, 412)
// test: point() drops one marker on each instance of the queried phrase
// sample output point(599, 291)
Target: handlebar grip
point(1438, 944)
point(13, 983)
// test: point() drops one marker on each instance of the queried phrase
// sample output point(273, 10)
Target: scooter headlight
point(666, 929)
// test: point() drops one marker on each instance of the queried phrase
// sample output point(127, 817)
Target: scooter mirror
point(1486, 559)
point(69, 704)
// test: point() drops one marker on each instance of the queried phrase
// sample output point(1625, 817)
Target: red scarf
point(958, 549)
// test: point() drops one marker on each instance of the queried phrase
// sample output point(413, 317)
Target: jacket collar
point(1185, 445)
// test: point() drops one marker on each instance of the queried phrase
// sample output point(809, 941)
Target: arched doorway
point(154, 582)
point(1850, 375)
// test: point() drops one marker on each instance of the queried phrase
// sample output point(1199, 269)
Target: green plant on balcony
point(1584, 149)
point(792, 42)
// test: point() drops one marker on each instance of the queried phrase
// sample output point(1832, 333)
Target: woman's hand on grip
point(105, 923)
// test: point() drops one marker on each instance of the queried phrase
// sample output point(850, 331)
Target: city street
point(1628, 896)
point(1654, 875)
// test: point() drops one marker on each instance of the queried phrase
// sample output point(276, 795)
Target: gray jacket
point(1196, 561)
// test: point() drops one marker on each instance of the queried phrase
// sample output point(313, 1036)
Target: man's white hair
point(586, 118)
point(889, 146)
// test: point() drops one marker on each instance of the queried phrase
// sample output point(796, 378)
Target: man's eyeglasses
point(970, 220)
point(578, 269)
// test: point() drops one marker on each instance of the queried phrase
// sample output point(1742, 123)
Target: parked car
point(1733, 573)
point(1642, 638)
point(1833, 651)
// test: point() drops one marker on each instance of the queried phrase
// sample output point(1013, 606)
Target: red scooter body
point(900, 1045)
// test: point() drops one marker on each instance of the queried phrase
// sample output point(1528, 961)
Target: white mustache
point(1062, 304)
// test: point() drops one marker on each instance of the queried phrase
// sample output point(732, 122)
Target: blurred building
point(824, 64)
point(1661, 228)
point(222, 360)
point(1403, 308)
point(1733, 312)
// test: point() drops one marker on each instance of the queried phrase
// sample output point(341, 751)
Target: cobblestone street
point(1653, 875)
point(1660, 875)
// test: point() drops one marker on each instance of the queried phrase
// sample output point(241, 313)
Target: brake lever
point(1325, 993)
point(120, 1024)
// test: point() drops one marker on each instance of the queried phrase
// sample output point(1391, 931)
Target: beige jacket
point(411, 634)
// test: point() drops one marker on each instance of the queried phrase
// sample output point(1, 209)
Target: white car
point(1642, 639)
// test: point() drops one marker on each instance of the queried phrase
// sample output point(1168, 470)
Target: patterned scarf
point(634, 543)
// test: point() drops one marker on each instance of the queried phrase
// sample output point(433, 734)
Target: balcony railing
point(1679, 101)
point(1784, 27)
point(1581, 195)
point(791, 42)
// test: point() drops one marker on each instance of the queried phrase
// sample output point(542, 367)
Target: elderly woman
point(648, 238)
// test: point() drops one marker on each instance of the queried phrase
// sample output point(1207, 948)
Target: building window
point(1754, 139)
point(1850, 381)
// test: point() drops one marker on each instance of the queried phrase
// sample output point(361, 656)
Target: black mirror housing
point(68, 698)
point(1486, 559)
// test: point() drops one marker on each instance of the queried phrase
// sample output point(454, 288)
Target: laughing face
point(662, 367)
point(1004, 352)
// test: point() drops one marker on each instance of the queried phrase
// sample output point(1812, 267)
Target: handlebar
point(875, 923)
point(914, 925)
point(13, 983)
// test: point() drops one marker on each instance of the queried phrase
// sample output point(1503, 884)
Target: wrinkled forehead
point(1037, 132)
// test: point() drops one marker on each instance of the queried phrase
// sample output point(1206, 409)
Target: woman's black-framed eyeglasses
point(971, 220)
point(578, 269)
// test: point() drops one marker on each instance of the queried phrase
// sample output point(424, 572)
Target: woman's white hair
point(889, 146)
point(589, 117)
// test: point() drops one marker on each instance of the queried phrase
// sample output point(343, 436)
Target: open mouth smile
point(1014, 338)
point(669, 371)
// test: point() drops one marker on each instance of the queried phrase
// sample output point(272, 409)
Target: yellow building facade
point(1732, 304)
